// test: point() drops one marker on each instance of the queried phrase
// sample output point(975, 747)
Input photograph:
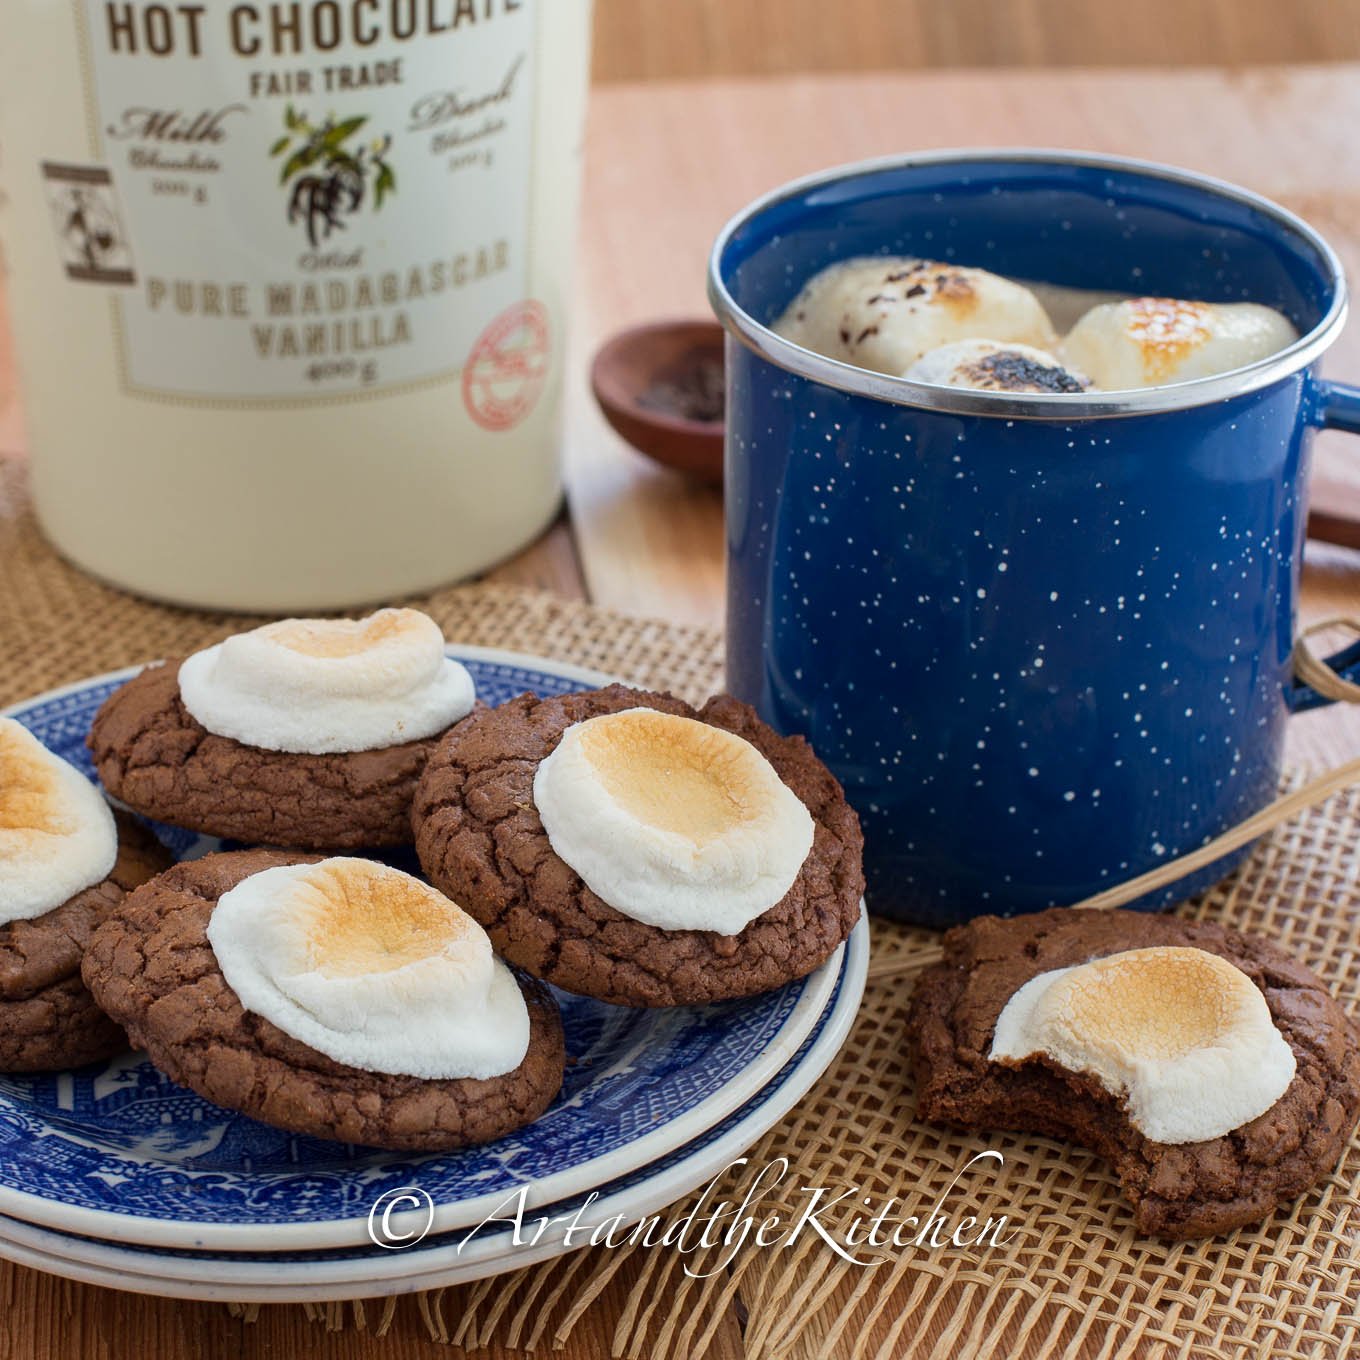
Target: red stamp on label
point(508, 366)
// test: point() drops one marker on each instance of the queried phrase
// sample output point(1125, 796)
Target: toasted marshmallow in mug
point(674, 822)
point(1149, 342)
point(57, 834)
point(371, 967)
point(1182, 1034)
point(995, 366)
point(320, 686)
point(885, 313)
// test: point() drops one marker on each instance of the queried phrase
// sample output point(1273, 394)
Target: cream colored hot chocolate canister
point(288, 284)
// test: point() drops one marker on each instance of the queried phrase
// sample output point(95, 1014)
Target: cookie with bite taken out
point(1212, 1071)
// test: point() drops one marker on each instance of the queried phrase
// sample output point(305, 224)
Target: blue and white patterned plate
point(455, 1258)
point(117, 1151)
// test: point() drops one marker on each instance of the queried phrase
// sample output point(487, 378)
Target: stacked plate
point(114, 1175)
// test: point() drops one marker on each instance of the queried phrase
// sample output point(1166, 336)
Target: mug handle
point(1335, 678)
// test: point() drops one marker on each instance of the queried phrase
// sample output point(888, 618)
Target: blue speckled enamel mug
point(1044, 642)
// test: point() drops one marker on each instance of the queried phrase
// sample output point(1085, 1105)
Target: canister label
point(300, 200)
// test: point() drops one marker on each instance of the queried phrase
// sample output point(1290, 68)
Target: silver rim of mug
point(1071, 406)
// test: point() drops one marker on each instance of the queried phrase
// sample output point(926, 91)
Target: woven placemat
point(58, 624)
point(1071, 1277)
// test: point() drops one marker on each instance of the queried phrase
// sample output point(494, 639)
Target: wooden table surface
point(666, 165)
point(662, 40)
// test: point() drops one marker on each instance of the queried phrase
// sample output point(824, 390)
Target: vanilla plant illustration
point(330, 171)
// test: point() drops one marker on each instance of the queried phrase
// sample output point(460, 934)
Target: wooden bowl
point(651, 380)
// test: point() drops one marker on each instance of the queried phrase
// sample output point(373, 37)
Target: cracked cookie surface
point(48, 1019)
point(1177, 1190)
point(480, 840)
point(153, 754)
point(153, 970)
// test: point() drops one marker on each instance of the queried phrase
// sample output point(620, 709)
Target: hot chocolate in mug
point(1044, 641)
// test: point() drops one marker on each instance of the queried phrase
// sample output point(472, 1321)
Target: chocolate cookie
point(153, 970)
point(1177, 1190)
point(481, 840)
point(155, 756)
point(48, 1019)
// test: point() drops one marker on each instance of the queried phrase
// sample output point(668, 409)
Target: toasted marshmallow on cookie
point(1150, 341)
point(371, 967)
point(996, 366)
point(674, 822)
point(57, 834)
point(1183, 1035)
point(885, 313)
point(324, 686)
